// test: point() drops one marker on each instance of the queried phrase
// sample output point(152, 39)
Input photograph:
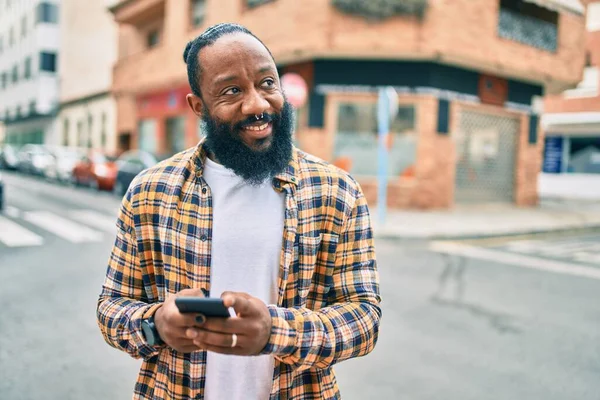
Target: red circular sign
point(295, 89)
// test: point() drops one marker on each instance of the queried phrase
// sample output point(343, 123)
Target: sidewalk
point(488, 220)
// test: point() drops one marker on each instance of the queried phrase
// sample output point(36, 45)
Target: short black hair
point(207, 38)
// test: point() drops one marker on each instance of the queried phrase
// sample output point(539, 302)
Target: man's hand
point(252, 326)
point(172, 325)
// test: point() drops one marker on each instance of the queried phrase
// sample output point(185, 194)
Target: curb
point(590, 228)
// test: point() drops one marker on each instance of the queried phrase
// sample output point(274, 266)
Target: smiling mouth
point(257, 128)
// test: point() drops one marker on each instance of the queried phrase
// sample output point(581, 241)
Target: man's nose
point(254, 104)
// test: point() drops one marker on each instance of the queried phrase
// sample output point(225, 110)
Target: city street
point(508, 318)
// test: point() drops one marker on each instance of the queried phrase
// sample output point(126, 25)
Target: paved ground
point(495, 319)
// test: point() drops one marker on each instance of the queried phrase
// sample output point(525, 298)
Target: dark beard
point(254, 166)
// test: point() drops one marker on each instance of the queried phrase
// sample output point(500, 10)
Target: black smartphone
point(209, 307)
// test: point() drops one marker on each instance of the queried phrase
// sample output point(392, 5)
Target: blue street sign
point(387, 108)
point(553, 154)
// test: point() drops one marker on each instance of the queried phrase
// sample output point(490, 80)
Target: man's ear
point(195, 103)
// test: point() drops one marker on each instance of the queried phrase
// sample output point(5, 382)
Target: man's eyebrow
point(228, 78)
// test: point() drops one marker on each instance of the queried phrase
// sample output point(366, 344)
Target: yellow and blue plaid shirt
point(328, 304)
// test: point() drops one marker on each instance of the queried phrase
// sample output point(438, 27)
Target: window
point(175, 134)
point(18, 112)
point(11, 37)
point(32, 107)
point(48, 62)
point(80, 137)
point(153, 39)
point(66, 132)
point(529, 24)
point(256, 3)
point(103, 131)
point(24, 26)
point(198, 12)
point(147, 135)
point(356, 141)
point(15, 74)
point(27, 73)
point(89, 131)
point(47, 12)
point(4, 80)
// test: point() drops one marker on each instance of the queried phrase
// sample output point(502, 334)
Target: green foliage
point(381, 9)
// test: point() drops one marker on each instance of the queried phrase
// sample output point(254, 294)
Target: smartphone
point(209, 307)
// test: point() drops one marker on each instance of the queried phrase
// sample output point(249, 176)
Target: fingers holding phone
point(245, 333)
point(172, 324)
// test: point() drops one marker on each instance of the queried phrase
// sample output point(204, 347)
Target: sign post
point(387, 108)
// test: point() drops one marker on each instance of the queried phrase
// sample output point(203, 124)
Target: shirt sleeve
point(349, 326)
point(123, 304)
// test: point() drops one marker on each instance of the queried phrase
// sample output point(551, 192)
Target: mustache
point(266, 118)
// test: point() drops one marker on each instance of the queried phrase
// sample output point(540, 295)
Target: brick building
point(571, 123)
point(467, 73)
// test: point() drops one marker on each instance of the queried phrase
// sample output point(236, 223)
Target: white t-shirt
point(246, 246)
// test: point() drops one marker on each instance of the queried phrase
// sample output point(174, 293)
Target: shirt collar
point(288, 175)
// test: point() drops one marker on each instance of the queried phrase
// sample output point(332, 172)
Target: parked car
point(96, 170)
point(8, 157)
point(63, 162)
point(33, 159)
point(1, 193)
point(129, 165)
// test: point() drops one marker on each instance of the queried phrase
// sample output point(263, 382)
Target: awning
point(573, 6)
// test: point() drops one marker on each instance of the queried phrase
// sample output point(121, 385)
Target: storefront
point(571, 165)
point(166, 125)
point(459, 136)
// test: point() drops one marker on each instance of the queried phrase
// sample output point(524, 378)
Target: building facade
point(87, 116)
point(571, 122)
point(29, 56)
point(468, 75)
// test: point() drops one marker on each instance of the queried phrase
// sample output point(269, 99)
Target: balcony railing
point(528, 30)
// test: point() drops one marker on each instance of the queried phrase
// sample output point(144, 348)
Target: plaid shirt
point(328, 304)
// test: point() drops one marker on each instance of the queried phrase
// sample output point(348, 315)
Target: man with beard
point(280, 236)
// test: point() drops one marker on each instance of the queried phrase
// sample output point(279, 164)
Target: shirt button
point(203, 238)
point(204, 190)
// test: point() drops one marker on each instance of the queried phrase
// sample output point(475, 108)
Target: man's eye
point(268, 83)
point(232, 91)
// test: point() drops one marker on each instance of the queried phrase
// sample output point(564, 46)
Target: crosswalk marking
point(66, 229)
point(517, 260)
point(95, 219)
point(585, 251)
point(14, 235)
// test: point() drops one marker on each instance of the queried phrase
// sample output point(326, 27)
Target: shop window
point(32, 107)
point(529, 24)
point(147, 135)
point(198, 12)
point(584, 155)
point(356, 143)
point(175, 135)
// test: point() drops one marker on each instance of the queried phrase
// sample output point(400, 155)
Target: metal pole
point(383, 123)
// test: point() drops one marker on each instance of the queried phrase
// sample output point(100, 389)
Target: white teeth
point(257, 128)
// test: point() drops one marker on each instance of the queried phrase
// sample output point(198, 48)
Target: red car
point(96, 170)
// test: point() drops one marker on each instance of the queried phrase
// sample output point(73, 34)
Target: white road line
point(12, 212)
point(62, 227)
point(516, 259)
point(14, 235)
point(95, 219)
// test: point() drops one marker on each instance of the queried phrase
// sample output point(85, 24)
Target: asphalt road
point(469, 321)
